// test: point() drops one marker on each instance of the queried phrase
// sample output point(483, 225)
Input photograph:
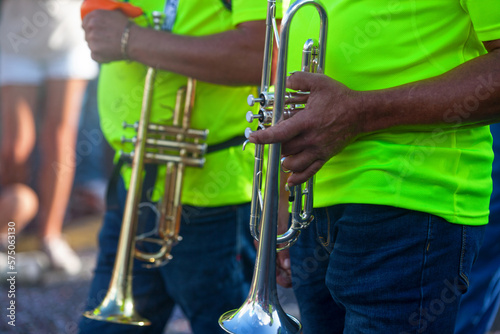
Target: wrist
point(374, 112)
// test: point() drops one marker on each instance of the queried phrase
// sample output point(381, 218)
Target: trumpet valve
point(251, 100)
point(127, 157)
point(265, 99)
point(248, 132)
point(129, 140)
point(264, 116)
point(157, 19)
point(134, 125)
point(250, 116)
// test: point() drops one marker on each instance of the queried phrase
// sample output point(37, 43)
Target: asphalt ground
point(52, 303)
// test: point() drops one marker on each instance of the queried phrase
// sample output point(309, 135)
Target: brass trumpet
point(262, 312)
point(176, 146)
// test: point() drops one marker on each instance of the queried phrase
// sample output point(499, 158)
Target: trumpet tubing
point(170, 145)
point(177, 147)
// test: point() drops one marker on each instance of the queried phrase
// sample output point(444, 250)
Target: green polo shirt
point(226, 178)
point(385, 43)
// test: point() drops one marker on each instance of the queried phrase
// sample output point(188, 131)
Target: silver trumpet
point(175, 146)
point(262, 312)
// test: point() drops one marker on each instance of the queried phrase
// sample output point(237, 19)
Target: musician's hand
point(283, 269)
point(312, 136)
point(103, 32)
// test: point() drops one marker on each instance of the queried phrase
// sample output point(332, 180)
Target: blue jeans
point(480, 304)
point(378, 269)
point(206, 276)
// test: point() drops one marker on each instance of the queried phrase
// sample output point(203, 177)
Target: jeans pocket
point(472, 237)
point(464, 260)
point(323, 225)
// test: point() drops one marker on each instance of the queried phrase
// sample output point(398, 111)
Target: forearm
point(335, 115)
point(229, 58)
point(233, 57)
point(465, 96)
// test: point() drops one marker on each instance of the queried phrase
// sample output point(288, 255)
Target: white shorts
point(22, 70)
point(42, 40)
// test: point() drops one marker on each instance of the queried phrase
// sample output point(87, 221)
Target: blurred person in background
point(18, 205)
point(44, 69)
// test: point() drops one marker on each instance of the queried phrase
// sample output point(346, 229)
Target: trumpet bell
point(253, 317)
point(118, 312)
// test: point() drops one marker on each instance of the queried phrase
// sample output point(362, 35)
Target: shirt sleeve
point(252, 10)
point(485, 16)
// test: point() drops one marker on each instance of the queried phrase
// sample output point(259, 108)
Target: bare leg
point(18, 131)
point(58, 150)
point(18, 204)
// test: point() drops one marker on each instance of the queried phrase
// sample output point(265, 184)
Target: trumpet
point(176, 146)
point(262, 312)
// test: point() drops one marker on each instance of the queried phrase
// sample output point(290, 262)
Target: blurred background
point(54, 167)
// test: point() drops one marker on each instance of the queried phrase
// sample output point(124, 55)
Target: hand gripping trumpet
point(176, 146)
point(261, 312)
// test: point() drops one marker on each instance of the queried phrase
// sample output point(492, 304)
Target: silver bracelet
point(124, 41)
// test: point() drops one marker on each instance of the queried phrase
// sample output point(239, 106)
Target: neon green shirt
point(226, 177)
point(384, 43)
